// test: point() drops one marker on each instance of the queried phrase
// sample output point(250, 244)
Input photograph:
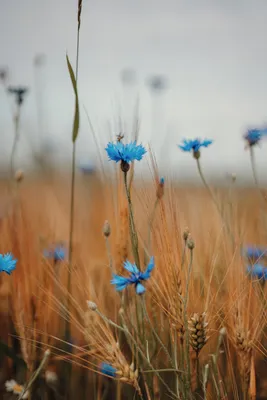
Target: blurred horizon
point(212, 58)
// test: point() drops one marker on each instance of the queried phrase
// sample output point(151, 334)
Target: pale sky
point(213, 54)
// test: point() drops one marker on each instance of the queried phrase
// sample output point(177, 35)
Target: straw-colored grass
point(190, 286)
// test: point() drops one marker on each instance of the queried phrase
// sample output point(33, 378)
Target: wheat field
point(199, 288)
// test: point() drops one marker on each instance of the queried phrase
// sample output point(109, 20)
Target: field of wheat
point(199, 329)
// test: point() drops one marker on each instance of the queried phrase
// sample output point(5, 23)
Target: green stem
point(156, 335)
point(176, 361)
point(35, 374)
point(187, 345)
point(127, 332)
point(134, 237)
point(214, 200)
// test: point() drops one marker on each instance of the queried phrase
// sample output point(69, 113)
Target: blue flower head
point(254, 136)
point(7, 263)
point(107, 369)
point(125, 153)
point(194, 146)
point(255, 252)
point(135, 278)
point(257, 271)
point(59, 253)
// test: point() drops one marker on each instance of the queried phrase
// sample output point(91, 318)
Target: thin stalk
point(198, 371)
point(72, 204)
point(176, 362)
point(127, 332)
point(72, 196)
point(155, 333)
point(187, 345)
point(133, 233)
point(15, 141)
point(109, 254)
point(150, 225)
point(35, 374)
point(214, 200)
point(255, 177)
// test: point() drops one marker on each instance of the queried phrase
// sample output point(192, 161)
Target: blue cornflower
point(253, 136)
point(125, 153)
point(107, 369)
point(257, 271)
point(195, 145)
point(135, 278)
point(7, 263)
point(59, 253)
point(255, 252)
point(87, 169)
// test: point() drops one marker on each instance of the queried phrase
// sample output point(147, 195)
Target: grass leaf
point(76, 121)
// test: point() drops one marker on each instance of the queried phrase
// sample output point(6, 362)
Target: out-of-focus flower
point(257, 271)
point(254, 136)
point(194, 145)
point(3, 74)
point(107, 369)
point(87, 169)
point(7, 263)
point(51, 375)
point(58, 253)
point(14, 387)
point(255, 252)
point(135, 278)
point(125, 153)
point(19, 93)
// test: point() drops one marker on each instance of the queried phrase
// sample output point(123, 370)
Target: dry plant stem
point(109, 254)
point(183, 255)
point(187, 345)
point(253, 167)
point(150, 225)
point(176, 362)
point(36, 374)
point(134, 237)
point(15, 141)
point(127, 332)
point(214, 200)
point(155, 333)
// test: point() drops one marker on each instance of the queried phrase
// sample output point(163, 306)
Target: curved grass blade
point(76, 121)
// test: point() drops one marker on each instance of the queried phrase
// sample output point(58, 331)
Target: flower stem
point(214, 200)
point(155, 333)
point(134, 237)
point(187, 346)
point(35, 374)
point(150, 225)
point(15, 141)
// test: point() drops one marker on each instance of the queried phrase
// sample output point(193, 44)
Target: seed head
point(106, 229)
point(91, 305)
point(186, 234)
point(198, 331)
point(19, 175)
point(190, 244)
